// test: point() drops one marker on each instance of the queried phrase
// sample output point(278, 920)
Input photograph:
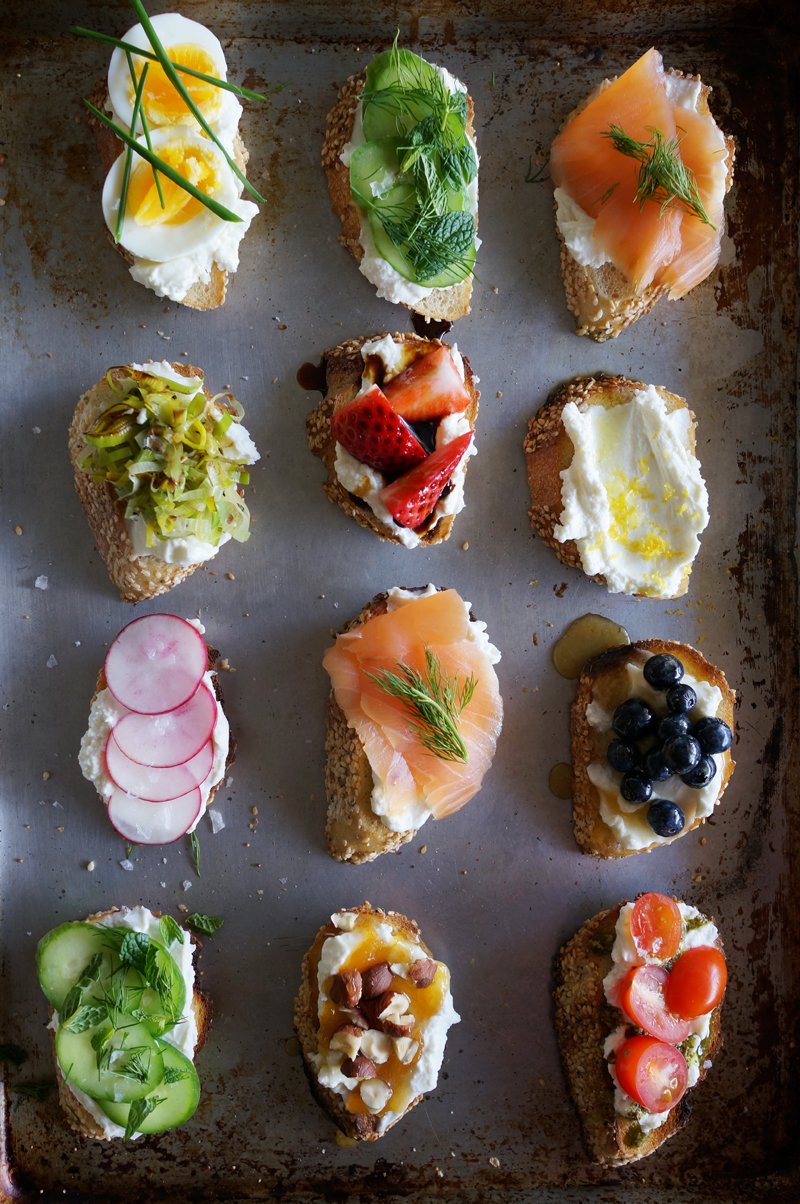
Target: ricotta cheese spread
point(104, 713)
point(633, 498)
point(183, 1036)
point(430, 1031)
point(628, 821)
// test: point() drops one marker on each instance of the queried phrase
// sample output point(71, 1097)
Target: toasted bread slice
point(583, 1020)
point(358, 1126)
point(209, 295)
point(549, 450)
point(344, 367)
point(441, 304)
point(602, 300)
point(79, 1119)
point(136, 577)
point(604, 681)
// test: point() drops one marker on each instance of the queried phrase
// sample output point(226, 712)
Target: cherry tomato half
point(697, 982)
point(652, 1073)
point(642, 999)
point(656, 926)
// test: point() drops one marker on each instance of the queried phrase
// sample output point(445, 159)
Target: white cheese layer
point(628, 821)
point(633, 498)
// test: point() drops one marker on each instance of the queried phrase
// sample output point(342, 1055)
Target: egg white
point(161, 244)
point(174, 30)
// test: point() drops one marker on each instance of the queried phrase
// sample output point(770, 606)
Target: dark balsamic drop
point(429, 329)
point(312, 377)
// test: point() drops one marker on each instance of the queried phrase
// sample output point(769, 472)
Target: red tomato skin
point(697, 982)
point(651, 1072)
point(656, 926)
point(642, 1000)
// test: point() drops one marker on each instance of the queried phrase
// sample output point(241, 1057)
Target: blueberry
point(702, 773)
point(662, 671)
point(681, 699)
point(635, 787)
point(655, 767)
point(682, 753)
point(713, 735)
point(622, 756)
point(665, 818)
point(633, 719)
point(672, 726)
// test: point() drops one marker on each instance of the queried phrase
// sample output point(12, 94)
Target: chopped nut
point(422, 972)
point(376, 1045)
point(392, 1012)
point(346, 988)
point(359, 1068)
point(376, 980)
point(375, 1095)
point(357, 1017)
point(347, 1039)
point(406, 1049)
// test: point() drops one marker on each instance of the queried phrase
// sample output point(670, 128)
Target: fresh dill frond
point(434, 702)
point(663, 176)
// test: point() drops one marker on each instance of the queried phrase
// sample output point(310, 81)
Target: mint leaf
point(133, 950)
point(86, 1017)
point(170, 930)
point(90, 974)
point(207, 925)
point(139, 1110)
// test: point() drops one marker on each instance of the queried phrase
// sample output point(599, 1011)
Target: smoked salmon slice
point(408, 772)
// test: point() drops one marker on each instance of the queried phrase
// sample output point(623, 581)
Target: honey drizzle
point(586, 637)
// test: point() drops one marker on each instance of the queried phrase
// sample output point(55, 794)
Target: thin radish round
point(172, 738)
point(157, 785)
point(155, 664)
point(153, 823)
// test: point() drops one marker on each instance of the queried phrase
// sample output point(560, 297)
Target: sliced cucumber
point(374, 170)
point(393, 255)
point(62, 956)
point(181, 1096)
point(133, 1064)
point(401, 78)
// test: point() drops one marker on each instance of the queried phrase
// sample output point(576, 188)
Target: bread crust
point(343, 371)
point(200, 296)
point(602, 300)
point(583, 1020)
point(79, 1119)
point(548, 452)
point(136, 577)
point(441, 304)
point(358, 1126)
point(605, 676)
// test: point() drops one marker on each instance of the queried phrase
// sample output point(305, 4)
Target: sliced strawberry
point(371, 431)
point(412, 497)
point(430, 388)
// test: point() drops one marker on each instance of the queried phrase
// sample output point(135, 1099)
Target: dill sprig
point(434, 701)
point(663, 176)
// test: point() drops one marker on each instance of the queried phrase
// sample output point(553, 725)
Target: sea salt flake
point(41, 581)
point(126, 864)
point(217, 822)
point(186, 884)
point(51, 662)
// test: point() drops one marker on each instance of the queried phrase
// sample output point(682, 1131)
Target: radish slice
point(169, 739)
point(153, 823)
point(155, 664)
point(157, 785)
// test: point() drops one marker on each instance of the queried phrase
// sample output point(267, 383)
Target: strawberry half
point(371, 431)
point(430, 388)
point(412, 497)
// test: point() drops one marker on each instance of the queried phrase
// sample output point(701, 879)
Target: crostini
point(402, 171)
point(413, 719)
point(616, 488)
point(371, 1017)
point(127, 1022)
point(652, 732)
point(638, 998)
point(395, 432)
point(167, 131)
point(641, 170)
point(159, 467)
point(158, 741)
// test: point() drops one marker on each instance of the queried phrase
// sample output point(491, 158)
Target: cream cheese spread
point(183, 1036)
point(628, 821)
point(633, 498)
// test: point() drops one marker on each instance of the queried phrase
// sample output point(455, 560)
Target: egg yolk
point(195, 165)
point(162, 103)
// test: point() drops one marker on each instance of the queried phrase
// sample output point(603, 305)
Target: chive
point(172, 76)
point(153, 159)
point(156, 175)
point(147, 54)
point(126, 174)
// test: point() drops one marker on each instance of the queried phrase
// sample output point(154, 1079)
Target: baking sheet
point(502, 883)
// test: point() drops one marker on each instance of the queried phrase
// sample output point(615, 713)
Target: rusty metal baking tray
point(502, 883)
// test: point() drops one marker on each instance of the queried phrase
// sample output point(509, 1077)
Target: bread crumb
point(465, 546)
point(499, 392)
point(46, 775)
point(90, 866)
point(182, 907)
point(20, 860)
point(703, 840)
point(423, 848)
point(18, 529)
point(494, 1161)
point(230, 576)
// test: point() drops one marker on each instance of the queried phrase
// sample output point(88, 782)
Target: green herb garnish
point(86, 1017)
point(194, 844)
point(138, 1112)
point(170, 930)
point(126, 171)
point(663, 176)
point(174, 1074)
point(207, 925)
point(136, 1066)
point(89, 976)
point(13, 1054)
point(434, 701)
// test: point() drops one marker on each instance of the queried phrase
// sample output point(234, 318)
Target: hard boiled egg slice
point(192, 45)
point(184, 225)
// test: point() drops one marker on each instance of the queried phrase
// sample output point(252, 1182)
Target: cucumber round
point(374, 170)
point(180, 1097)
point(62, 956)
point(394, 255)
point(394, 115)
point(130, 1041)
